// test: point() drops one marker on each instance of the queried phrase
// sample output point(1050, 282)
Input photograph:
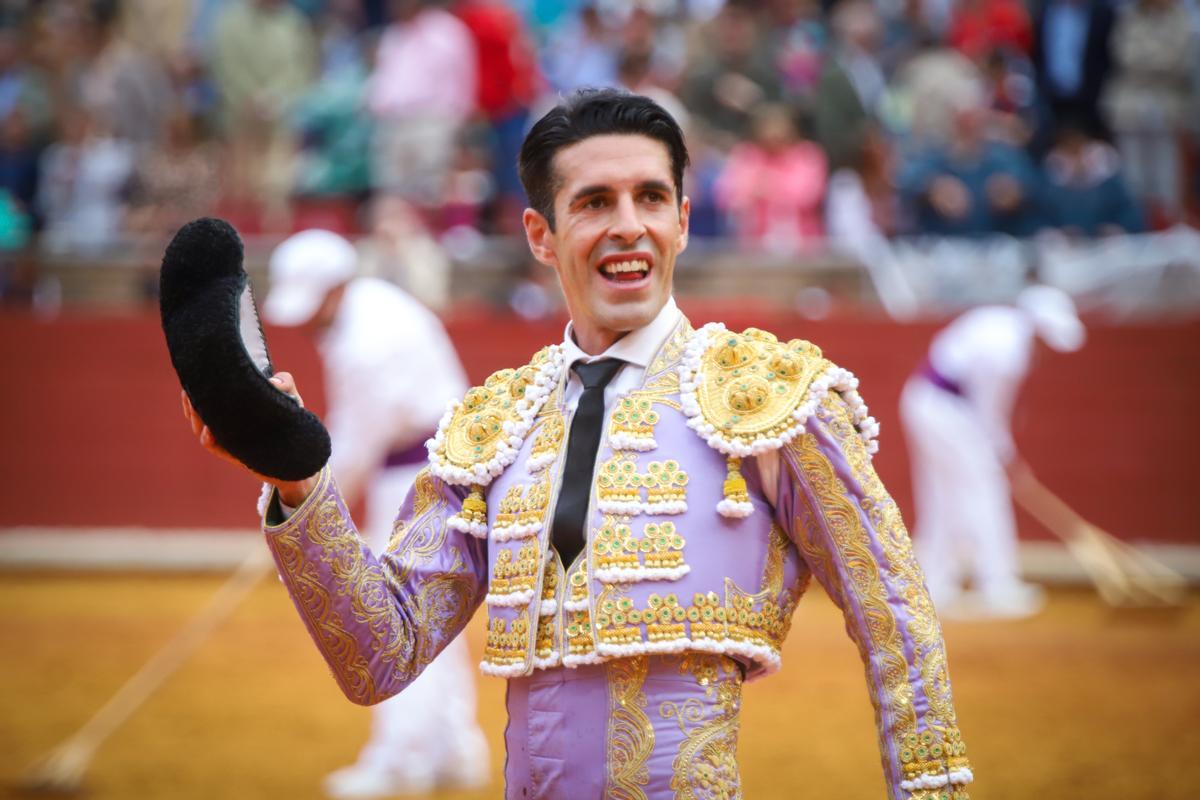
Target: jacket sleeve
point(378, 622)
point(849, 531)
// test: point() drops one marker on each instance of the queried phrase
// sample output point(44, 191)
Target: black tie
point(570, 514)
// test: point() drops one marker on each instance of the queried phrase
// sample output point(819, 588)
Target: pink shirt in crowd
point(425, 67)
point(775, 197)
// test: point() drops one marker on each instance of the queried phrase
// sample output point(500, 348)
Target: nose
point(627, 225)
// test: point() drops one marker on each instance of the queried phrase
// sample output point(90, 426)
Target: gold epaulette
point(479, 436)
point(748, 393)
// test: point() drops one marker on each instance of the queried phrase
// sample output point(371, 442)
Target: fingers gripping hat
point(219, 353)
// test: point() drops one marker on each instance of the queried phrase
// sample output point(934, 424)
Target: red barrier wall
point(91, 432)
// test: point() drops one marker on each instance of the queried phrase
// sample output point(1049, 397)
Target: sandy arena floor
point(1081, 702)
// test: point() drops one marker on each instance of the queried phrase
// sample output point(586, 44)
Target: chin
point(630, 316)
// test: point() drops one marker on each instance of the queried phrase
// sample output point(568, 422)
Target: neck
point(594, 342)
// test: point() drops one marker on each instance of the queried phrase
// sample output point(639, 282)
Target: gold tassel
point(735, 484)
point(474, 507)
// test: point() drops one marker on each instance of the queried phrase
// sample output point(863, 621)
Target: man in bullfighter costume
point(640, 508)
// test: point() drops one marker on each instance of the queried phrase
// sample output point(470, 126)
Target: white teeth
point(637, 265)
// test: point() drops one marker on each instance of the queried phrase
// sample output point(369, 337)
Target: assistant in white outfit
point(390, 371)
point(957, 411)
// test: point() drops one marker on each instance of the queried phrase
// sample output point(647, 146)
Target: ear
point(540, 237)
point(685, 210)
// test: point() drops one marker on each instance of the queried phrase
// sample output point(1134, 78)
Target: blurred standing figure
point(390, 371)
point(1071, 57)
point(1151, 99)
point(422, 91)
point(732, 77)
point(957, 412)
point(264, 57)
point(852, 87)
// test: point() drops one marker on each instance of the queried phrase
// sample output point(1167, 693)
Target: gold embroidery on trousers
point(630, 736)
point(706, 766)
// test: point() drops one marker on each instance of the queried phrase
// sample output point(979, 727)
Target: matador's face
point(619, 229)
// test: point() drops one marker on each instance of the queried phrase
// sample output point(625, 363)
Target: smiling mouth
point(625, 271)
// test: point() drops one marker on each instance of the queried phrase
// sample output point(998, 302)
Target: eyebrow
point(601, 188)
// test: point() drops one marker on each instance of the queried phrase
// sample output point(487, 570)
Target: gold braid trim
point(851, 547)
point(879, 507)
point(630, 734)
point(706, 766)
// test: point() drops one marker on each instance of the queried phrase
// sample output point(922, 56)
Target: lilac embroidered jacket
point(737, 472)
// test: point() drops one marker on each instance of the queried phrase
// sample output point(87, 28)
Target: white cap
point(303, 268)
point(1053, 314)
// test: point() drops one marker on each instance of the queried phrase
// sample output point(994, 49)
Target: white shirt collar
point(636, 347)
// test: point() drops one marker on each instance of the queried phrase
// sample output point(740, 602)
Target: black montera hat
point(220, 355)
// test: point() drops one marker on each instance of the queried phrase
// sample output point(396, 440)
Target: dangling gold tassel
point(737, 498)
point(474, 508)
point(472, 518)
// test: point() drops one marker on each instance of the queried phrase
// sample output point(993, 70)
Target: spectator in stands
point(772, 185)
point(928, 91)
point(852, 86)
point(421, 92)
point(126, 89)
point(731, 78)
point(580, 52)
point(508, 81)
point(24, 87)
point(175, 181)
point(636, 75)
point(401, 250)
point(1084, 192)
point(264, 57)
point(1011, 88)
point(1152, 98)
point(334, 132)
point(659, 41)
point(972, 187)
point(159, 28)
point(19, 156)
point(797, 40)
point(82, 187)
point(1071, 57)
point(979, 26)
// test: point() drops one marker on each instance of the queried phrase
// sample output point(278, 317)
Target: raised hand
point(291, 493)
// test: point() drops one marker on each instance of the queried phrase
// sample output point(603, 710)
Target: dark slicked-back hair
point(593, 112)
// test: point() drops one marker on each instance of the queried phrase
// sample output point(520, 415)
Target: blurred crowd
point(807, 119)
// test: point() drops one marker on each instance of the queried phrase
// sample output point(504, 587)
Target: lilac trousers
point(643, 727)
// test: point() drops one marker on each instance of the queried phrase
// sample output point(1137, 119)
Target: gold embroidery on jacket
point(349, 664)
point(420, 535)
point(506, 641)
point(757, 618)
point(549, 437)
point(659, 548)
point(522, 511)
point(630, 736)
point(633, 422)
point(666, 487)
point(618, 483)
point(443, 601)
point(882, 649)
point(515, 572)
point(941, 736)
point(706, 766)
